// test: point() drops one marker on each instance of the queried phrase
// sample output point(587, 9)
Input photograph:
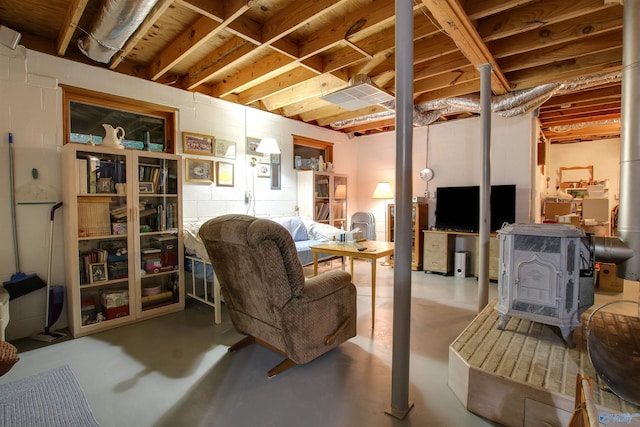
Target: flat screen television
point(458, 208)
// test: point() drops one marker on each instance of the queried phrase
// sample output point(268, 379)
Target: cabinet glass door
point(157, 201)
point(103, 244)
point(340, 202)
point(322, 203)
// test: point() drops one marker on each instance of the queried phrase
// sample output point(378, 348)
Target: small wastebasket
point(461, 264)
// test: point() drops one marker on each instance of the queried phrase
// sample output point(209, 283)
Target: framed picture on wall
point(199, 170)
point(263, 170)
point(225, 149)
point(224, 174)
point(252, 146)
point(196, 143)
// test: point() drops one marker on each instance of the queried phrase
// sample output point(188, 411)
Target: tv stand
point(440, 247)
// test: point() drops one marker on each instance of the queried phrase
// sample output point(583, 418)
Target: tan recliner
point(267, 295)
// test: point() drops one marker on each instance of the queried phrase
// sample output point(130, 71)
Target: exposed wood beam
point(225, 55)
point(312, 88)
point(534, 15)
point(477, 9)
point(569, 69)
point(604, 93)
point(75, 11)
point(276, 85)
point(561, 32)
point(269, 64)
point(562, 52)
point(455, 22)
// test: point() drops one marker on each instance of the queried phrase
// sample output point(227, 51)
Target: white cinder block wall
point(31, 108)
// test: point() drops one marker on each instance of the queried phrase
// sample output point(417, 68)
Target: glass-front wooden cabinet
point(419, 220)
point(322, 196)
point(123, 243)
point(145, 126)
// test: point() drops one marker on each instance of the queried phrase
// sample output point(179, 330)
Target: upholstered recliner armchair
point(267, 295)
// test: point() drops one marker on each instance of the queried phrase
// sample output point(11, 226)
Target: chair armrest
point(325, 284)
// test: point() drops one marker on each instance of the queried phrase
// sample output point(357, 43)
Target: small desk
point(374, 251)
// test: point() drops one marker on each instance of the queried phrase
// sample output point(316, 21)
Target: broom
point(55, 294)
point(20, 283)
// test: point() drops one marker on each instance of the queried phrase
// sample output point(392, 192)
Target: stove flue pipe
point(629, 209)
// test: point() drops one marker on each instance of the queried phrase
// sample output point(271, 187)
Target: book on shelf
point(94, 167)
point(81, 176)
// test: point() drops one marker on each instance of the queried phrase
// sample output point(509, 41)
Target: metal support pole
point(485, 187)
point(400, 404)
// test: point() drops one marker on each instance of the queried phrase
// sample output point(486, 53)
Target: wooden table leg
point(315, 263)
point(373, 293)
point(351, 259)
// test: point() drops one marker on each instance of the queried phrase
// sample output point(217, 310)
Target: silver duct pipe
point(117, 21)
point(508, 105)
point(629, 210)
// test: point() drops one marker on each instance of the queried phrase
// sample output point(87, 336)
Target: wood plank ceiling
point(284, 55)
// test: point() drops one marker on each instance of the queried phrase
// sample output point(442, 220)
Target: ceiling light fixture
point(360, 93)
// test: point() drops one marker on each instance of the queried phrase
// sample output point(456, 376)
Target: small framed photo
point(105, 185)
point(225, 149)
point(252, 146)
point(224, 174)
point(196, 143)
point(98, 272)
point(198, 170)
point(264, 170)
point(145, 187)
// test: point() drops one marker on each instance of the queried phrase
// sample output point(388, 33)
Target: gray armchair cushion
point(266, 293)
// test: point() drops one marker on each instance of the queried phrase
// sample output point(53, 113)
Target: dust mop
point(20, 283)
point(55, 294)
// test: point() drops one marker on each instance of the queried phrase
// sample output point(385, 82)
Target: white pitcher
point(111, 138)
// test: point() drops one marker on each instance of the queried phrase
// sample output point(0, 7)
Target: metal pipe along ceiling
point(508, 105)
point(117, 21)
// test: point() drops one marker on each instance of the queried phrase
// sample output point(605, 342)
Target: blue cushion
point(295, 226)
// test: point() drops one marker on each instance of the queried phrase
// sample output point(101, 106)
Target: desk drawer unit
point(437, 255)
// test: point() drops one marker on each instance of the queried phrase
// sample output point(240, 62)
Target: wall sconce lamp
point(266, 146)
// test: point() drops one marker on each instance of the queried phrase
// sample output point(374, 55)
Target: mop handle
point(13, 204)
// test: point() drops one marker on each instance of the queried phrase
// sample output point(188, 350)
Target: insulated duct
point(117, 21)
point(508, 105)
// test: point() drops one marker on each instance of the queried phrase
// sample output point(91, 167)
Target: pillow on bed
point(295, 226)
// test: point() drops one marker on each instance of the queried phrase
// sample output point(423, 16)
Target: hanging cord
point(13, 203)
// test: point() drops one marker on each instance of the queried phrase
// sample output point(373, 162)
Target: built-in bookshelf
point(122, 211)
point(323, 197)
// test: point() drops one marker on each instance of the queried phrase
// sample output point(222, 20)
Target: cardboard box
point(572, 219)
point(551, 209)
point(607, 279)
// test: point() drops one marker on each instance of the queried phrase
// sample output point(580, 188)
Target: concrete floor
point(174, 370)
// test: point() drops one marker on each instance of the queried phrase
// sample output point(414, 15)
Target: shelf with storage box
point(419, 218)
point(322, 196)
point(122, 212)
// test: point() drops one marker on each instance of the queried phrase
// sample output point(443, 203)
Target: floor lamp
point(383, 191)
